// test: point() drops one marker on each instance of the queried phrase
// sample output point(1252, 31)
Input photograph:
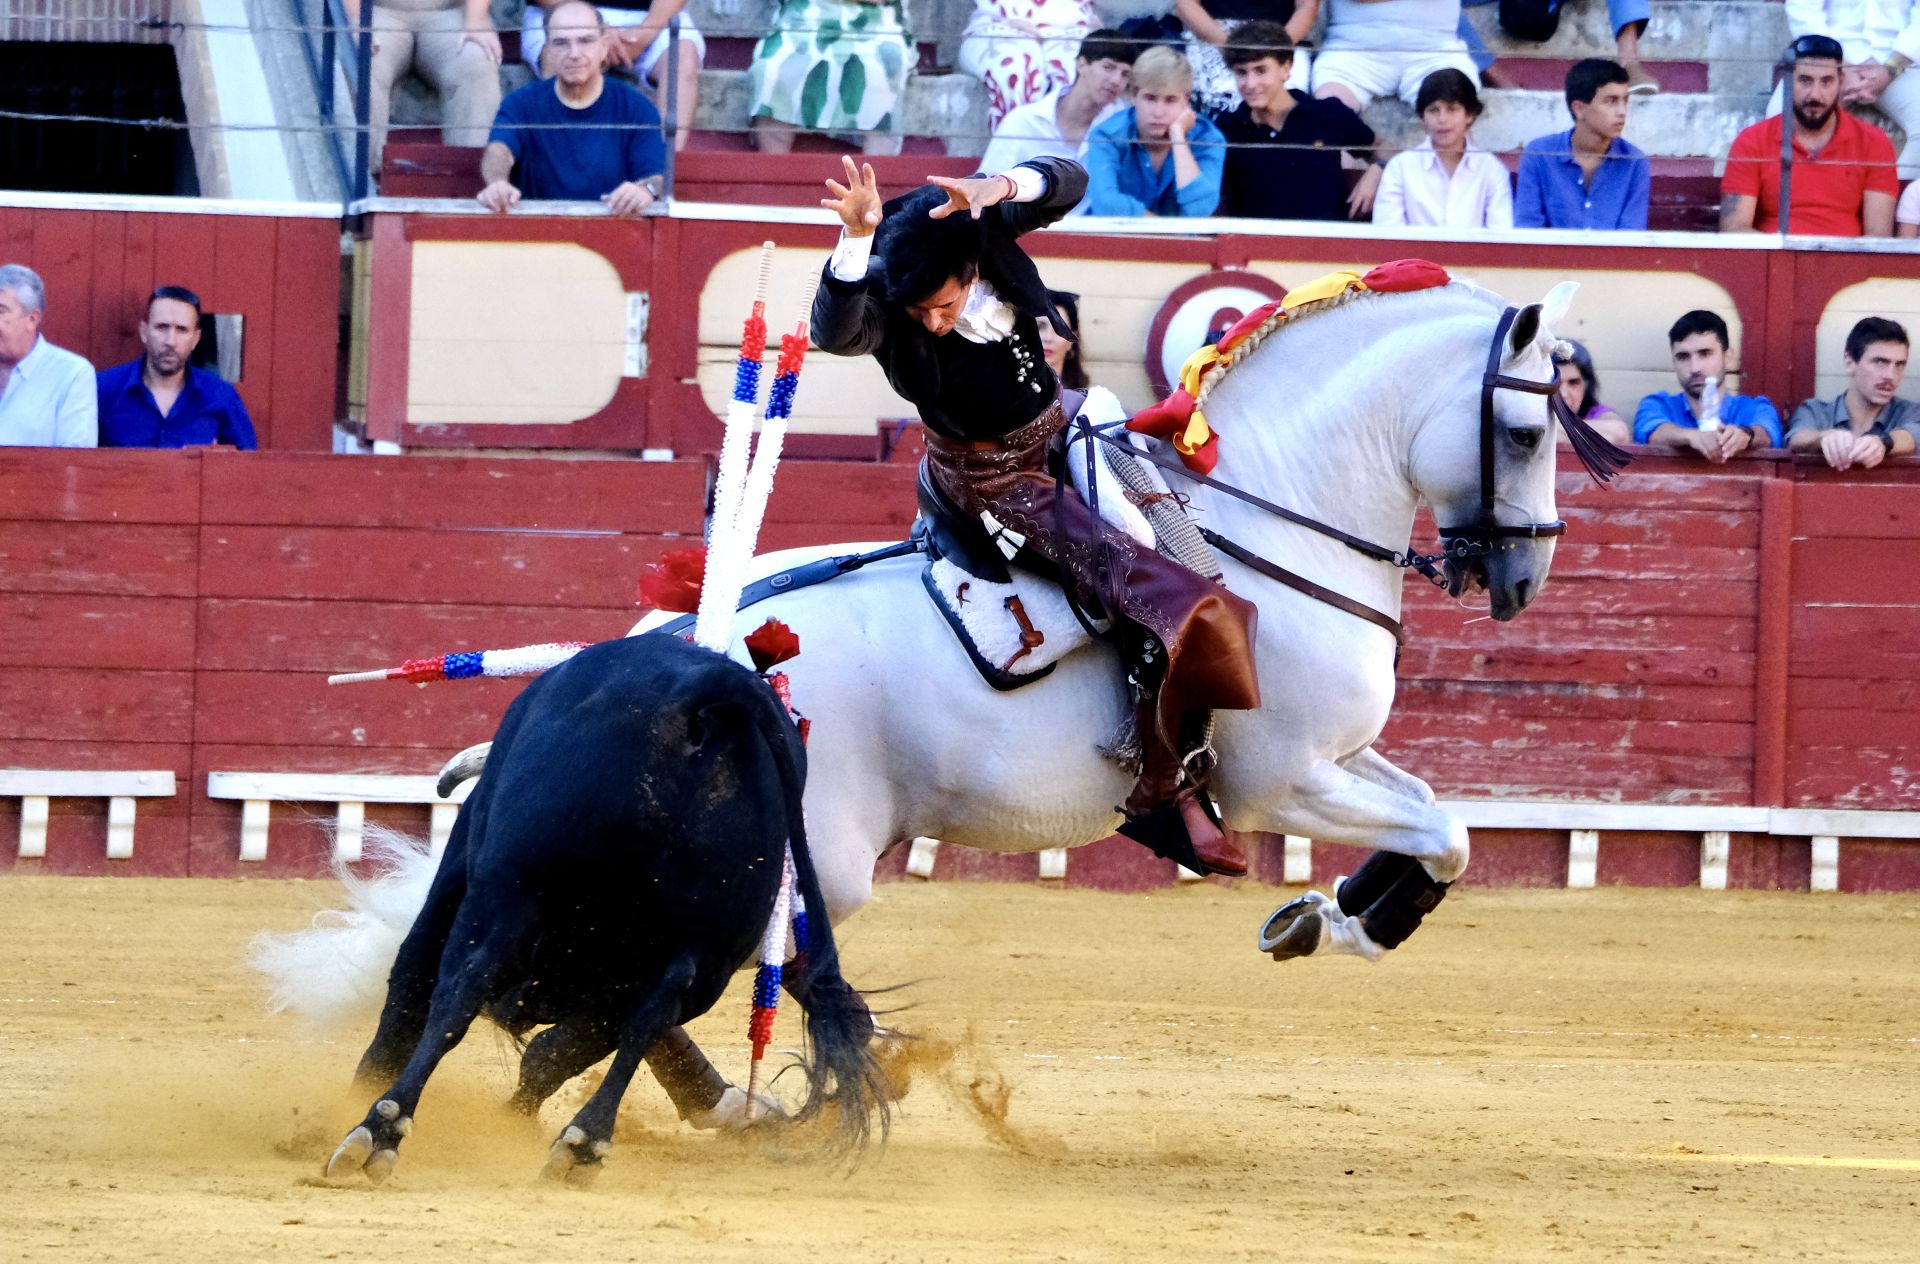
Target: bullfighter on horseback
point(934, 285)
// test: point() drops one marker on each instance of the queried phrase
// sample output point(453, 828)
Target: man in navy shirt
point(162, 401)
point(1284, 147)
point(1587, 177)
point(578, 136)
point(1732, 424)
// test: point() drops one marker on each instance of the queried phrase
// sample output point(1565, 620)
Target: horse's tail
point(334, 973)
point(841, 1069)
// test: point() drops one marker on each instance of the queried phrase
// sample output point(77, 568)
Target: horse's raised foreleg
point(1369, 802)
point(1372, 766)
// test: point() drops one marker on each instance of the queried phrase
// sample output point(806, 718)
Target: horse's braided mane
point(1251, 343)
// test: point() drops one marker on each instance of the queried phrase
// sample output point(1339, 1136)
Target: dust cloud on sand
point(1583, 1076)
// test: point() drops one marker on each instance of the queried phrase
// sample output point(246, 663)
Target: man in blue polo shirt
point(1714, 423)
point(162, 401)
point(578, 136)
point(1587, 177)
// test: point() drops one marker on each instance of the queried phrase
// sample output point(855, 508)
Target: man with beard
point(1717, 425)
point(162, 401)
point(1843, 182)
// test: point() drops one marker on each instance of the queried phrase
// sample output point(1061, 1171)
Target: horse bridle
point(1460, 546)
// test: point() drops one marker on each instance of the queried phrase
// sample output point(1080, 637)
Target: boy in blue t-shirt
point(578, 136)
point(1700, 347)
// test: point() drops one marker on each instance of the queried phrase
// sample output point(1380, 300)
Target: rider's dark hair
point(1448, 85)
point(921, 253)
point(1589, 75)
point(1107, 44)
point(1871, 330)
point(1250, 41)
point(1699, 322)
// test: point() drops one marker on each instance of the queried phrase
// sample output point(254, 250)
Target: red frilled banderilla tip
point(771, 644)
point(673, 582)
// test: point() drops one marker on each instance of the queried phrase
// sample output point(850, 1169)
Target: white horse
point(1353, 416)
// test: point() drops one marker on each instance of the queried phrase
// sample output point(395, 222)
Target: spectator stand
point(1715, 61)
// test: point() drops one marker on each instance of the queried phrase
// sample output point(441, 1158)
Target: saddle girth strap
point(1301, 584)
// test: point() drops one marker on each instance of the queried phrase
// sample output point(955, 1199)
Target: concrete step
point(1739, 40)
point(953, 106)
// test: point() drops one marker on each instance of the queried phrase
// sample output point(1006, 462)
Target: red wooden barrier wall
point(181, 610)
point(281, 273)
point(1743, 634)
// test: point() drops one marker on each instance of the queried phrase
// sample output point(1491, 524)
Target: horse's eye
point(1527, 437)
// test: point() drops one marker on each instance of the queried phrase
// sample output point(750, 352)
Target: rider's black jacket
point(963, 389)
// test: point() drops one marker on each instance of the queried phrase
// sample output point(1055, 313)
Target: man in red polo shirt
point(1843, 181)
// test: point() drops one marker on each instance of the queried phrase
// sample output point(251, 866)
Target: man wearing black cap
point(1842, 182)
point(934, 285)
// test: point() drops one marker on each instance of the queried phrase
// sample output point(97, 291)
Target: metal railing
point(320, 39)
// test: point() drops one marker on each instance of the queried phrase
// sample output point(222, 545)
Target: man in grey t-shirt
point(1867, 423)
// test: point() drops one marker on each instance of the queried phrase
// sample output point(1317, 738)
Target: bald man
point(579, 136)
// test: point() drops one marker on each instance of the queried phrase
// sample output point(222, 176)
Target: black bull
point(616, 864)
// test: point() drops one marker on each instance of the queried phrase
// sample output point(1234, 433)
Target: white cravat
point(986, 317)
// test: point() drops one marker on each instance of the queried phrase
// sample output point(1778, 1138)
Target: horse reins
point(1461, 544)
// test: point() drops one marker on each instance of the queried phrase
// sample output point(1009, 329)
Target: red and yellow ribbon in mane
point(1177, 418)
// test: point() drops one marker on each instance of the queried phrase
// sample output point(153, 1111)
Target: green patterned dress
point(833, 66)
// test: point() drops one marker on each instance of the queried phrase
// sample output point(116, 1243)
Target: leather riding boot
point(1170, 820)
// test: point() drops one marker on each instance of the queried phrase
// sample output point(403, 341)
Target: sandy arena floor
point(1538, 1075)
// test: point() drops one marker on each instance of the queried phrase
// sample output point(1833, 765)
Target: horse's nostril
point(1523, 592)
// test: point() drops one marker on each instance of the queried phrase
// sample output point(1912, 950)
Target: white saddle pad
point(985, 610)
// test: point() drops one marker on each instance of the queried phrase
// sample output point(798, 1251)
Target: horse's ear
point(1558, 302)
point(1526, 328)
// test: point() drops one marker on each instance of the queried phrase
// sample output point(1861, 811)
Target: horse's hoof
point(573, 1159)
point(729, 1114)
point(1297, 928)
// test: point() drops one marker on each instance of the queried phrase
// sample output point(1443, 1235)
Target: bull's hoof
point(1297, 928)
point(374, 1147)
point(358, 1153)
point(573, 1158)
point(729, 1114)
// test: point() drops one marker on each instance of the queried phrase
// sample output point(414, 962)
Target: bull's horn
point(462, 767)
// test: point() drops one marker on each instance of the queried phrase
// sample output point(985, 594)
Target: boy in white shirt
point(1449, 182)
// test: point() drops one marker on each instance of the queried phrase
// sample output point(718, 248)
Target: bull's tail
point(842, 1072)
point(334, 973)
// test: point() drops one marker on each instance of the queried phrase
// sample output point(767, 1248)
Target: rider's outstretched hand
point(857, 202)
point(971, 195)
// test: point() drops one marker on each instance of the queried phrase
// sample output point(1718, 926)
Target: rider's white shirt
point(986, 317)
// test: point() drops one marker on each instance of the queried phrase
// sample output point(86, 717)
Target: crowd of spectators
point(1220, 108)
point(1273, 93)
point(52, 398)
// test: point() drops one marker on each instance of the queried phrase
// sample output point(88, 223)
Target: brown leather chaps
point(1207, 632)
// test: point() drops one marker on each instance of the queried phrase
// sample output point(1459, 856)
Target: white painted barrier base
point(350, 792)
point(36, 787)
